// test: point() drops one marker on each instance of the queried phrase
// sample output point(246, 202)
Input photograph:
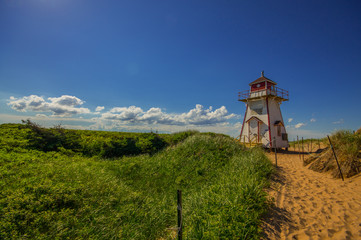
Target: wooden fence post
point(338, 165)
point(298, 143)
point(311, 144)
point(274, 138)
point(303, 157)
point(319, 146)
point(179, 211)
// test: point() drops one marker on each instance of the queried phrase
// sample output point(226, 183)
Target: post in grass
point(179, 211)
point(274, 139)
point(334, 154)
point(319, 146)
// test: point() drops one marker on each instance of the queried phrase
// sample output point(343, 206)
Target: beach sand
point(311, 205)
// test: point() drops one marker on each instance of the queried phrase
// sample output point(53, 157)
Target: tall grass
point(46, 195)
point(347, 146)
point(347, 143)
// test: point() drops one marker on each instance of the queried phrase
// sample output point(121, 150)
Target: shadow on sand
point(276, 217)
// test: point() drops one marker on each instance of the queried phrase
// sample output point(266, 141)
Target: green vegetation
point(79, 185)
point(347, 143)
point(87, 143)
point(347, 146)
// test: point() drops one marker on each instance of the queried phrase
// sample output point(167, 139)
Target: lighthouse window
point(257, 107)
point(279, 130)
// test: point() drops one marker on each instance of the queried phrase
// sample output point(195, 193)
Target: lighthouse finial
point(262, 73)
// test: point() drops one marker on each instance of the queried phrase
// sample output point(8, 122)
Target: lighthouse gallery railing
point(275, 91)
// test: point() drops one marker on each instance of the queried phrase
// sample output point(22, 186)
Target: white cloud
point(99, 108)
point(132, 118)
point(130, 114)
point(298, 125)
point(339, 121)
point(59, 106)
point(195, 117)
point(66, 100)
point(312, 120)
point(200, 116)
point(290, 120)
point(232, 129)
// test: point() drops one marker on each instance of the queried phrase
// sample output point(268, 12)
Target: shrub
point(150, 143)
point(50, 139)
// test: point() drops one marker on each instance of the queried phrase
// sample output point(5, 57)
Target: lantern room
point(262, 83)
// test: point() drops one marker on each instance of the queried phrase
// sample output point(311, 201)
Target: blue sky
point(176, 65)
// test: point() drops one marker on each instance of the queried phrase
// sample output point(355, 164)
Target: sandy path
point(311, 205)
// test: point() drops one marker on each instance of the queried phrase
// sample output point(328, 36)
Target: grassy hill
point(67, 192)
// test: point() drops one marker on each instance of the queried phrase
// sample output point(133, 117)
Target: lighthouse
point(263, 123)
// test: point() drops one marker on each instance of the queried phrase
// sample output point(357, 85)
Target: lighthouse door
point(254, 130)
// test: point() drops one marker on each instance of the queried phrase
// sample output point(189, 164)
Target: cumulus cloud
point(201, 116)
point(312, 120)
point(59, 106)
point(290, 120)
point(66, 100)
point(131, 118)
point(99, 108)
point(298, 125)
point(196, 116)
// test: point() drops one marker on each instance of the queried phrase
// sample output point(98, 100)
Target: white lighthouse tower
point(263, 123)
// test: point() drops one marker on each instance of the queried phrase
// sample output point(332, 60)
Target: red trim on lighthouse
point(258, 86)
point(269, 125)
point(254, 117)
point(244, 118)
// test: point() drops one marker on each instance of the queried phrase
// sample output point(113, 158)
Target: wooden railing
point(274, 91)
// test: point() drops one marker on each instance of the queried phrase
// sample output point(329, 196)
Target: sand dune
point(312, 205)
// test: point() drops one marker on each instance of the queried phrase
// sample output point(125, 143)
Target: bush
point(95, 143)
point(51, 139)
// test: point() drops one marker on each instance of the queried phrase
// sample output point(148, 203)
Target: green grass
point(347, 143)
point(56, 195)
point(347, 146)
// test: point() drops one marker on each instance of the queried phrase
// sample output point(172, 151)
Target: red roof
point(262, 79)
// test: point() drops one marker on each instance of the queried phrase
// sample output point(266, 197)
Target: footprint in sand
point(330, 232)
point(317, 206)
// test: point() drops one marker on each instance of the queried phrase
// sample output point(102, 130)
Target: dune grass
point(347, 143)
point(347, 146)
point(52, 195)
